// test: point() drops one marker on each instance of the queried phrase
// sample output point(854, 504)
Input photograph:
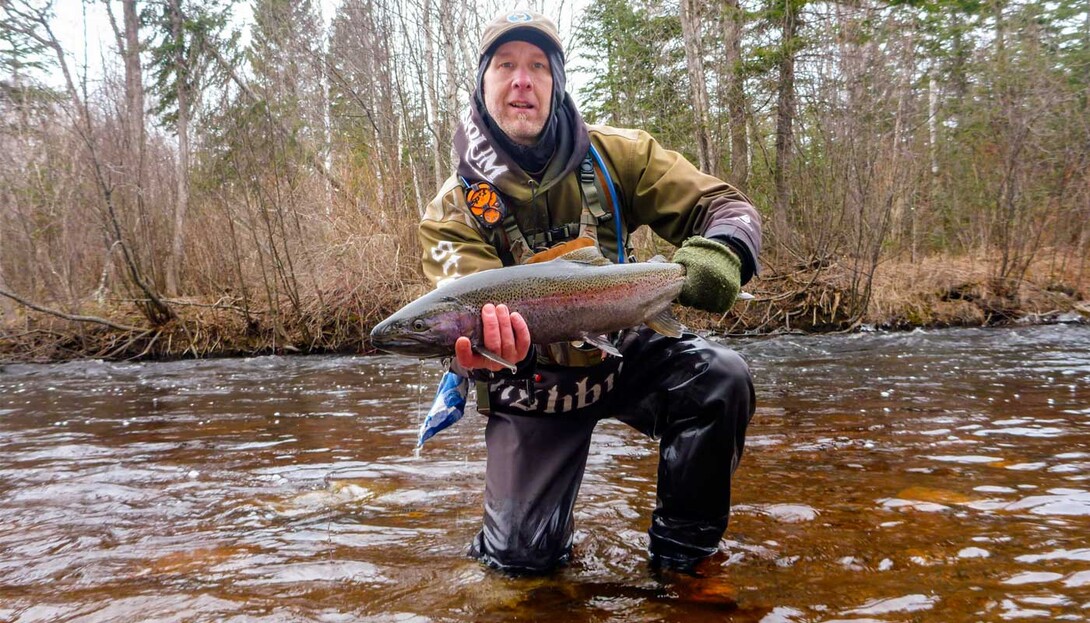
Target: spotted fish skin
point(570, 298)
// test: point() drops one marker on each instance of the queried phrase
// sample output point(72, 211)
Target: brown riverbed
point(925, 476)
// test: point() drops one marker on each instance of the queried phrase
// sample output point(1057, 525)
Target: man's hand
point(503, 333)
point(712, 274)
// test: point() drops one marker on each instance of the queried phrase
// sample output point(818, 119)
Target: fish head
point(426, 328)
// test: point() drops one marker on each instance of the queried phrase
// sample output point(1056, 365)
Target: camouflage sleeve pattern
point(452, 243)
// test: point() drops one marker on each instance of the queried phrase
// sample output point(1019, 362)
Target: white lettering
point(581, 393)
point(550, 403)
point(444, 250)
point(523, 401)
point(553, 400)
point(451, 263)
point(479, 153)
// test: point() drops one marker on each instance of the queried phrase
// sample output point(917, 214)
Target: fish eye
point(419, 325)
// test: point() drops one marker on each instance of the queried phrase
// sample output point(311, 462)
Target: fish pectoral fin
point(494, 358)
point(603, 344)
point(665, 324)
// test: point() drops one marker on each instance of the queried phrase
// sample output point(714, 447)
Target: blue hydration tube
point(613, 200)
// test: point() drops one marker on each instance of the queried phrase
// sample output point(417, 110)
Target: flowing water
point(925, 476)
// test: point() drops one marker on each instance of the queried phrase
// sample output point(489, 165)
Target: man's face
point(518, 88)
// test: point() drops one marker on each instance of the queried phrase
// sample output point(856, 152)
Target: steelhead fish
point(579, 296)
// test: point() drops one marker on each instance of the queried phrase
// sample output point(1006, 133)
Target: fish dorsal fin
point(560, 250)
point(582, 250)
point(665, 323)
point(658, 259)
point(586, 255)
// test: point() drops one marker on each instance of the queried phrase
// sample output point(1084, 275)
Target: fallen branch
point(60, 314)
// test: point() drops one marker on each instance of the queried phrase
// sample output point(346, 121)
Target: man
point(532, 176)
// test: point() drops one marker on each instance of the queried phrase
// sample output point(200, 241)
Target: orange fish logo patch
point(485, 204)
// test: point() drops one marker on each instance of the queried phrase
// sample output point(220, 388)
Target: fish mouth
point(406, 344)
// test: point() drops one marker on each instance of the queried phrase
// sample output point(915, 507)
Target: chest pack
point(600, 211)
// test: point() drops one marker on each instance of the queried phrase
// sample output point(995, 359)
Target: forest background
point(210, 185)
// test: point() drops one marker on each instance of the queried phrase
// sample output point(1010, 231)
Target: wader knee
point(702, 438)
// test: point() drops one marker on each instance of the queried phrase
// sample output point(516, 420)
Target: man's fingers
point(522, 335)
point(502, 332)
point(507, 336)
point(490, 328)
point(463, 352)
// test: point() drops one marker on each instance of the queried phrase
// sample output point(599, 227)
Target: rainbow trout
point(579, 297)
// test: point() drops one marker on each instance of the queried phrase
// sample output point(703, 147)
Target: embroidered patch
point(519, 18)
point(485, 204)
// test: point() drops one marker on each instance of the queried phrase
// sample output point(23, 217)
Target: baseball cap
point(539, 29)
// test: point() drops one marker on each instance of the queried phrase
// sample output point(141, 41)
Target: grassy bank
point(938, 291)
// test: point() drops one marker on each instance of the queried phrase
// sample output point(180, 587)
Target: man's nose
point(523, 80)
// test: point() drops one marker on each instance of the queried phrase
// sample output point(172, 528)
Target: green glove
point(712, 274)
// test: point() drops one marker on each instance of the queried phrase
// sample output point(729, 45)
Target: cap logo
point(520, 17)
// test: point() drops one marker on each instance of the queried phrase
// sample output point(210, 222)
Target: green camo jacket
point(655, 186)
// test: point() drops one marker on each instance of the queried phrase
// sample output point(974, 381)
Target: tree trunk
point(134, 96)
point(432, 89)
point(181, 170)
point(785, 117)
point(449, 119)
point(736, 99)
point(694, 59)
point(134, 81)
point(7, 309)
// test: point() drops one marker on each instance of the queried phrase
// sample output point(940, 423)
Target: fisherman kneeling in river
point(531, 175)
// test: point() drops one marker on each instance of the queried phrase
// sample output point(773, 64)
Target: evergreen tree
point(637, 61)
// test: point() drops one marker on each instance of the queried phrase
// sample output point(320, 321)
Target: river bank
point(937, 291)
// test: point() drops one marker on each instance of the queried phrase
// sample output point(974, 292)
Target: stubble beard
point(523, 130)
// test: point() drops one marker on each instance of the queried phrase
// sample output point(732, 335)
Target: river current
point(923, 476)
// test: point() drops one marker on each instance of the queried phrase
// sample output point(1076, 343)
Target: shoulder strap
point(595, 183)
point(589, 182)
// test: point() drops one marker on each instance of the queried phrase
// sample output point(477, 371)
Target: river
point(924, 476)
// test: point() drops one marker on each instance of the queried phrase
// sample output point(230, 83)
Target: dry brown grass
point(937, 291)
point(348, 270)
point(364, 276)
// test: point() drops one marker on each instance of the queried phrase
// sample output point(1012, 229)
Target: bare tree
point(733, 75)
point(785, 117)
point(706, 144)
point(35, 23)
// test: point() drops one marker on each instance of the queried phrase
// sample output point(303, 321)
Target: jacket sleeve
point(451, 243)
point(665, 191)
point(453, 246)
